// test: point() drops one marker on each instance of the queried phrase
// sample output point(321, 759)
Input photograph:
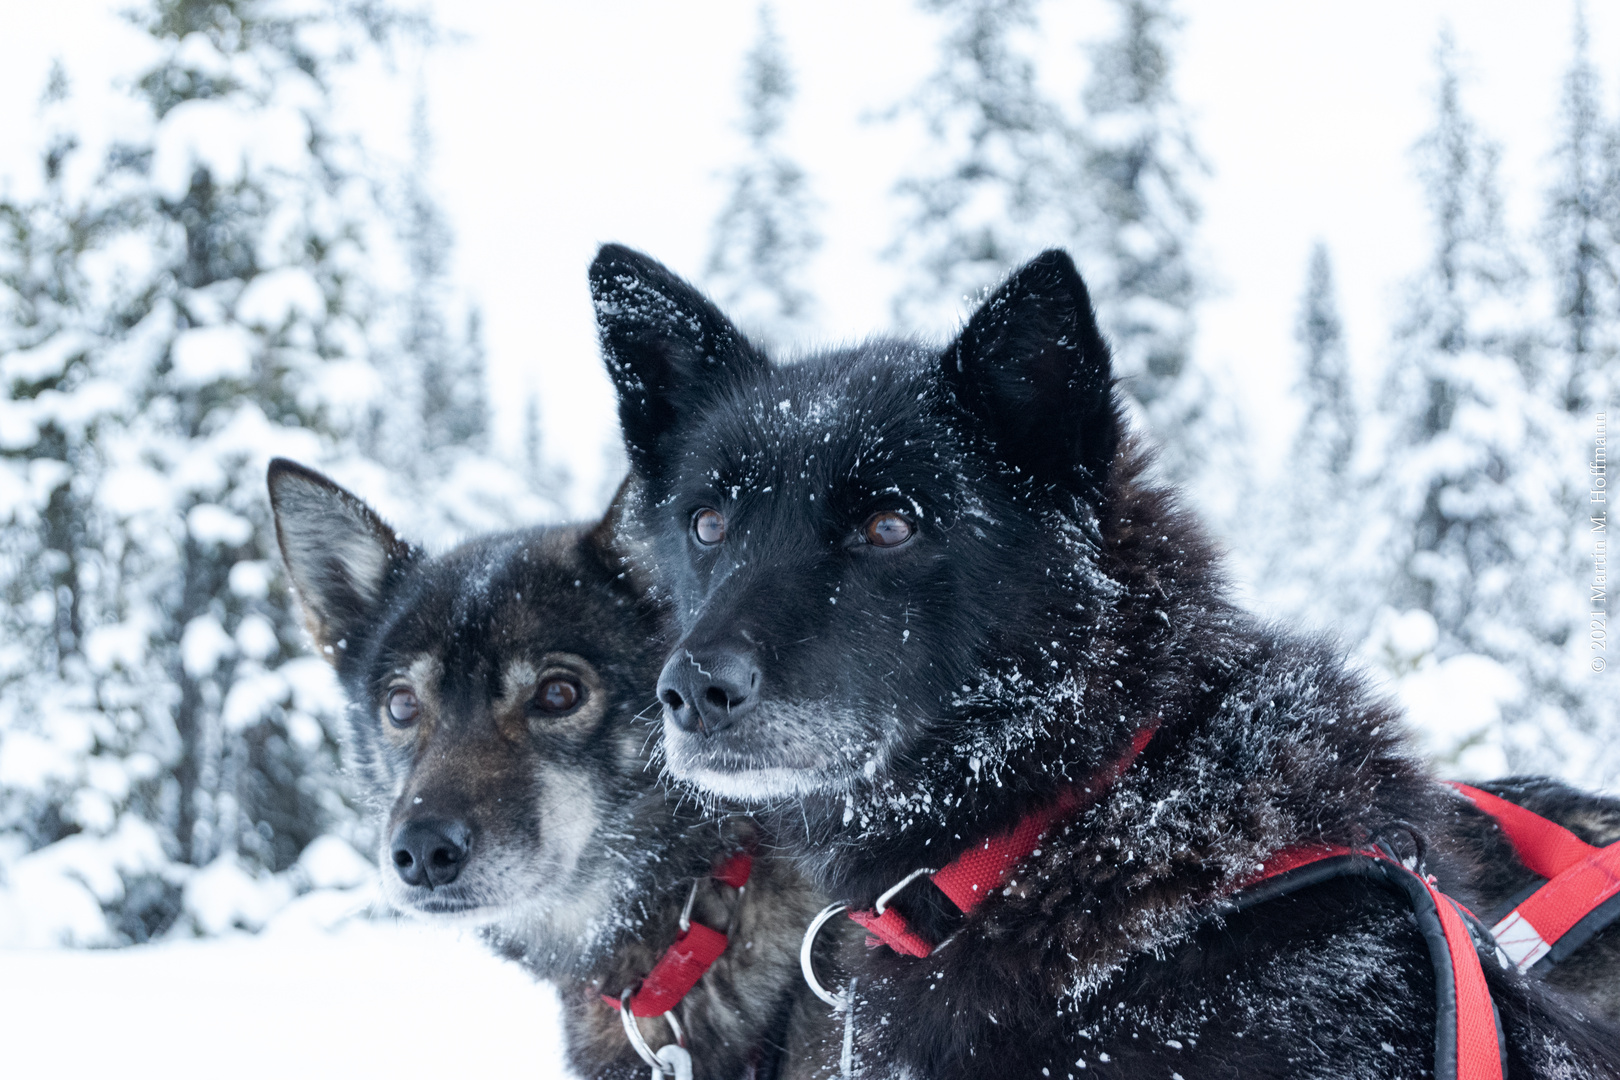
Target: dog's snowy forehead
point(495, 617)
point(492, 576)
point(825, 420)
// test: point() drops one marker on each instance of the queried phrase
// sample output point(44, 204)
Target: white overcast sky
point(561, 125)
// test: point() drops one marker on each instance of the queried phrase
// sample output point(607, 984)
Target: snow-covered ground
point(369, 999)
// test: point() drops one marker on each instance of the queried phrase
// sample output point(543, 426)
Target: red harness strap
point(1580, 896)
point(693, 952)
point(967, 879)
point(1468, 1033)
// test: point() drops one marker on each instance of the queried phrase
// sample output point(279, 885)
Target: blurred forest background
point(209, 261)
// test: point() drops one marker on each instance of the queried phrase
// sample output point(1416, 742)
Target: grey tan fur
point(492, 729)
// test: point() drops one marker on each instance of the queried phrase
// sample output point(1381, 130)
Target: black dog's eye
point(886, 530)
point(709, 527)
point(558, 695)
point(403, 706)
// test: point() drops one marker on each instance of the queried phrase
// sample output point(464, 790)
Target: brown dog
point(494, 694)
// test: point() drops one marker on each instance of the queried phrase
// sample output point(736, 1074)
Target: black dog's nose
point(709, 691)
point(429, 852)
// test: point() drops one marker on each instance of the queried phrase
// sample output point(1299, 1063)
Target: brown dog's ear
point(613, 544)
point(1032, 369)
point(338, 552)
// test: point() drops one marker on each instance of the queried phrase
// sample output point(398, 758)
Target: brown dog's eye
point(886, 530)
point(403, 707)
point(708, 526)
point(558, 695)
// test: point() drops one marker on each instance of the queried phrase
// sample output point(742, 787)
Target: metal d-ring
point(686, 909)
point(837, 1001)
point(897, 886)
point(633, 1032)
point(685, 921)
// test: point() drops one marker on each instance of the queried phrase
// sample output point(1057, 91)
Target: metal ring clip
point(685, 921)
point(686, 909)
point(633, 1032)
point(889, 894)
point(837, 1001)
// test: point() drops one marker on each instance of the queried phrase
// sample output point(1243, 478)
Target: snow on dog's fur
point(492, 726)
point(922, 592)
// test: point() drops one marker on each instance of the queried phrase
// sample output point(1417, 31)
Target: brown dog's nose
point(430, 852)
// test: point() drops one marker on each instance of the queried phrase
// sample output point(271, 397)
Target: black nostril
point(705, 691)
point(430, 852)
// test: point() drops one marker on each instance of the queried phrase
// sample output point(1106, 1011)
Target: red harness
point(967, 879)
point(1578, 896)
point(1468, 1042)
point(690, 956)
point(1468, 1036)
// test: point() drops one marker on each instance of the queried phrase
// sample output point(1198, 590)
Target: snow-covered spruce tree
point(454, 402)
point(990, 190)
point(433, 429)
point(764, 236)
point(1581, 241)
point(180, 302)
point(1310, 535)
point(1476, 535)
point(1581, 237)
point(55, 716)
point(1008, 173)
point(1137, 164)
point(1327, 436)
point(550, 479)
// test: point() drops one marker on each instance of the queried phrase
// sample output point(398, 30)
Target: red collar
point(1468, 1039)
point(967, 879)
point(689, 957)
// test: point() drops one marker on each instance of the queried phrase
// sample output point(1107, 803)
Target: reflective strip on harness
point(1579, 897)
point(1565, 902)
point(689, 958)
point(1520, 941)
point(1468, 1032)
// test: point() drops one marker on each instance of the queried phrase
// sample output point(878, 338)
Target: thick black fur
point(578, 863)
point(909, 701)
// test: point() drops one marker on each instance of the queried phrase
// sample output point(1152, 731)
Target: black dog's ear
point(664, 345)
point(338, 552)
point(1032, 368)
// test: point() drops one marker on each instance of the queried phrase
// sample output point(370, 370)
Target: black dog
point(926, 596)
point(493, 727)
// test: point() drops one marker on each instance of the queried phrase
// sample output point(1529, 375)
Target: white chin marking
point(472, 919)
point(753, 785)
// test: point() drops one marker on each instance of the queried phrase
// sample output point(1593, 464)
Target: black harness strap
point(1416, 892)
